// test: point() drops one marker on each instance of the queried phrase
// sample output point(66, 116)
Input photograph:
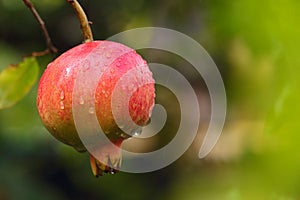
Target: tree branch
point(51, 48)
point(84, 23)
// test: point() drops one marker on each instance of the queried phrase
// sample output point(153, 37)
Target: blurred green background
point(255, 45)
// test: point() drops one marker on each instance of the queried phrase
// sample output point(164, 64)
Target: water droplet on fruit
point(62, 95)
point(106, 95)
point(103, 91)
point(91, 110)
point(68, 71)
point(112, 70)
point(103, 83)
point(118, 64)
point(62, 105)
point(136, 132)
point(81, 100)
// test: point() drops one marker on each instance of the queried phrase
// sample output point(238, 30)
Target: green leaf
point(17, 80)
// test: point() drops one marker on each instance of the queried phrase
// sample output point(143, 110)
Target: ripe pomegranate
point(54, 98)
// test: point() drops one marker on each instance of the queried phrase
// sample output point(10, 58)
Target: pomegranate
point(54, 98)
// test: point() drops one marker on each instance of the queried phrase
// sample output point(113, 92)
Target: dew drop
point(106, 95)
point(103, 91)
point(136, 132)
point(62, 105)
point(103, 83)
point(81, 100)
point(91, 110)
point(62, 95)
point(68, 71)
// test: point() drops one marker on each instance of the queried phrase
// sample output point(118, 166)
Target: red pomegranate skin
point(55, 89)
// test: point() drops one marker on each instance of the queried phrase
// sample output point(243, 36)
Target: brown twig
point(84, 23)
point(51, 48)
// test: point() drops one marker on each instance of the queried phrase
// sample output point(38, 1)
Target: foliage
point(16, 81)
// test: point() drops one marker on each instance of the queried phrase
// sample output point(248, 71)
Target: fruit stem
point(84, 23)
point(51, 47)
